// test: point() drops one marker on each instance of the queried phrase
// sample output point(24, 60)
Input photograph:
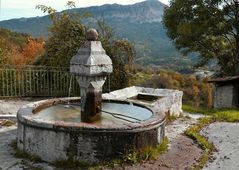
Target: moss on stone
point(22, 154)
point(133, 157)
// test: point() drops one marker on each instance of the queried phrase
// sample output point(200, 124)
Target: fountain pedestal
point(91, 66)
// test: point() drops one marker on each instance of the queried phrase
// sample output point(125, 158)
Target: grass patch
point(149, 153)
point(221, 115)
point(229, 115)
point(207, 147)
point(171, 118)
point(197, 110)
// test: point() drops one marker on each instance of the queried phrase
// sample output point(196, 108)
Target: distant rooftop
point(230, 79)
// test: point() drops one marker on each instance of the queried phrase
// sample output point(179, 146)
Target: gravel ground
point(225, 137)
point(10, 107)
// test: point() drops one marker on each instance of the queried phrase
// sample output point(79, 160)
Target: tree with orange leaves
point(18, 48)
point(28, 54)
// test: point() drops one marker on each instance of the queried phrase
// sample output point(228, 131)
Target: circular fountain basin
point(52, 130)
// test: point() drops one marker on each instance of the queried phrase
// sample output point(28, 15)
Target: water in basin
point(111, 112)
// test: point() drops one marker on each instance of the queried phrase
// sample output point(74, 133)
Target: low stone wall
point(169, 101)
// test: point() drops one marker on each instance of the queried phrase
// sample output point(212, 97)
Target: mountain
point(145, 12)
point(141, 23)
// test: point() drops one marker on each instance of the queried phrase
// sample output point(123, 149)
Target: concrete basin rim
point(96, 130)
point(156, 120)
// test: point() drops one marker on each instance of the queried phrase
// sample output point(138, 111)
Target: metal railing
point(32, 81)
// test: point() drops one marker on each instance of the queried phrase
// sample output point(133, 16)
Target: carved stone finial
point(91, 65)
point(92, 35)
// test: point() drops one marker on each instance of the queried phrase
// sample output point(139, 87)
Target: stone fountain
point(90, 128)
point(91, 66)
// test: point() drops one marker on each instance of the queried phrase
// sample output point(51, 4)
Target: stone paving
point(8, 134)
point(10, 107)
point(7, 159)
point(225, 137)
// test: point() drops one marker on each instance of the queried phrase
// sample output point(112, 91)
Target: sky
point(26, 8)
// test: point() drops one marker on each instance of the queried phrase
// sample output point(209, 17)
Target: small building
point(226, 92)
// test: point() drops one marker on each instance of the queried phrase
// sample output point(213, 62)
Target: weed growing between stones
point(171, 118)
point(207, 147)
point(149, 153)
point(222, 115)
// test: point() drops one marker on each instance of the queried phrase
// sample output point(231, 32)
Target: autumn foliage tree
point(29, 53)
point(18, 48)
point(195, 92)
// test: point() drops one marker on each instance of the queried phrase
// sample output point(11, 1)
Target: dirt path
point(182, 153)
point(225, 137)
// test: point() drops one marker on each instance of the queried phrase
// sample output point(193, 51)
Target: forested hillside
point(141, 23)
point(18, 48)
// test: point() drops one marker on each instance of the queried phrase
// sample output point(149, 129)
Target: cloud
point(30, 4)
point(26, 8)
